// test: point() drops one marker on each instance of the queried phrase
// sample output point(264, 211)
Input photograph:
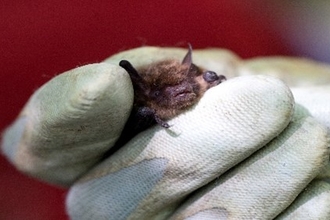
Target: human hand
point(71, 121)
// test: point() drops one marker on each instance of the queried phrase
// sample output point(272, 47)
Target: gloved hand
point(245, 151)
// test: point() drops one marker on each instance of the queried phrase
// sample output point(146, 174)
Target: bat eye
point(156, 93)
point(210, 76)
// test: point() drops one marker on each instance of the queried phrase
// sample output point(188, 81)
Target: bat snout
point(181, 90)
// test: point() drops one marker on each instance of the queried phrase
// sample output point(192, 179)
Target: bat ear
point(188, 58)
point(132, 72)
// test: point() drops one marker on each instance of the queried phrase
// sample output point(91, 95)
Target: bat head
point(170, 86)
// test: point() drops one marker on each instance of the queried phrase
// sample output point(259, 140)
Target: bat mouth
point(184, 98)
point(181, 95)
point(183, 92)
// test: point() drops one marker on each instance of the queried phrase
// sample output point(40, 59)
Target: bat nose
point(210, 76)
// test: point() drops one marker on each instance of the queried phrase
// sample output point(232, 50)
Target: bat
point(163, 90)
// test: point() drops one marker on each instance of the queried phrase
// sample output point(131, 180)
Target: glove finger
point(293, 71)
point(268, 182)
point(152, 174)
point(312, 203)
point(309, 79)
point(69, 123)
point(316, 100)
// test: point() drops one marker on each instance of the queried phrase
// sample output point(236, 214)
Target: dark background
point(40, 39)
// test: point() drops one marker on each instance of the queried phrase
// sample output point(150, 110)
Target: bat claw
point(162, 123)
point(165, 125)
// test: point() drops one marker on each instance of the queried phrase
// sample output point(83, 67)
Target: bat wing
point(139, 120)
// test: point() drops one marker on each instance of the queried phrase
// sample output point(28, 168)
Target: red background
point(39, 39)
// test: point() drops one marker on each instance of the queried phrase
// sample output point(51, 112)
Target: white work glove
point(244, 151)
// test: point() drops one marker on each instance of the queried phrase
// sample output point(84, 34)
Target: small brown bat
point(163, 90)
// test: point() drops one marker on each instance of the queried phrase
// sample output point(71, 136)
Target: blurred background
point(40, 39)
